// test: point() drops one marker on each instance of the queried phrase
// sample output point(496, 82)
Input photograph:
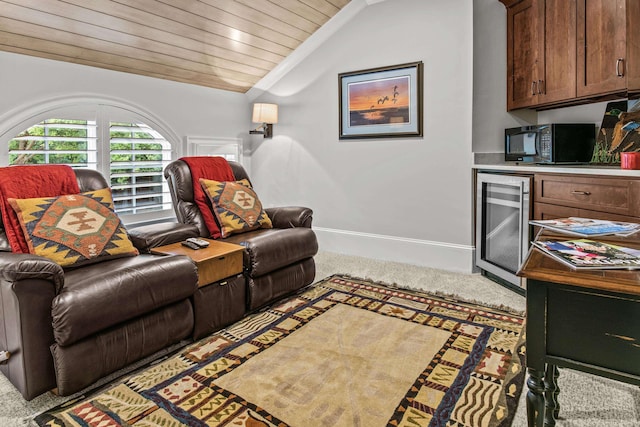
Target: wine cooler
point(503, 209)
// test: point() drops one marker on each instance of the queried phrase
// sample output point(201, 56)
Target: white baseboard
point(425, 253)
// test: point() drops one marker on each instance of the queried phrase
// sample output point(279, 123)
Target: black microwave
point(551, 143)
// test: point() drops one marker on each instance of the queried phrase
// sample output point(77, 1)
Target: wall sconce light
point(267, 114)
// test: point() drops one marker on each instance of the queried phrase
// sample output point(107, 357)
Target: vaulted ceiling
point(223, 44)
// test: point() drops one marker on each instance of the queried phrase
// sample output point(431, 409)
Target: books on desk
point(586, 227)
point(590, 254)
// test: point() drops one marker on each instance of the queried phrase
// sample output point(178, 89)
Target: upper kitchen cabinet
point(633, 48)
point(569, 52)
point(522, 54)
point(557, 41)
point(602, 47)
point(541, 60)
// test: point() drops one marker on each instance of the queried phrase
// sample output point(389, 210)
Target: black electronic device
point(557, 143)
point(191, 245)
point(200, 242)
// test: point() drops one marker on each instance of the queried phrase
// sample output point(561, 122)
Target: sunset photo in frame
point(383, 102)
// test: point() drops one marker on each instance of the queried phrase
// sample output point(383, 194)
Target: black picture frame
point(383, 102)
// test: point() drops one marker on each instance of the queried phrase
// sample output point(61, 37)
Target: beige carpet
point(586, 400)
point(303, 379)
point(345, 352)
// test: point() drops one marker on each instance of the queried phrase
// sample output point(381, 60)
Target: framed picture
point(381, 102)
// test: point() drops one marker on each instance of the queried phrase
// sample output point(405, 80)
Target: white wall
point(26, 83)
point(395, 199)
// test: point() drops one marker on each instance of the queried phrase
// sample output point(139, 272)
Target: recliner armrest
point(290, 216)
point(15, 267)
point(146, 237)
point(28, 286)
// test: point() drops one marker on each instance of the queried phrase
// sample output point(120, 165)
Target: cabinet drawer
point(213, 269)
point(598, 329)
point(547, 211)
point(612, 195)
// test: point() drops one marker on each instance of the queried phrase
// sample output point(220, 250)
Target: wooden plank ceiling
point(224, 44)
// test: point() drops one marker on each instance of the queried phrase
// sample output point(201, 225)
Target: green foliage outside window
point(32, 140)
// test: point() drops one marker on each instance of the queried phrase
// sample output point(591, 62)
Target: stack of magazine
point(586, 253)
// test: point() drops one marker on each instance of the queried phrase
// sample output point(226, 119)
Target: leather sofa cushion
point(147, 237)
point(102, 295)
point(267, 250)
point(266, 289)
point(84, 362)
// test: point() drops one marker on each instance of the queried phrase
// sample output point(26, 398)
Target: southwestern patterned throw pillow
point(74, 229)
point(236, 206)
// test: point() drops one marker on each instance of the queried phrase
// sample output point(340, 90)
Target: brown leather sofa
point(66, 328)
point(277, 261)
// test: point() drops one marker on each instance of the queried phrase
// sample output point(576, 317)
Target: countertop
point(495, 162)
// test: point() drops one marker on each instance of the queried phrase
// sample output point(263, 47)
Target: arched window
point(119, 143)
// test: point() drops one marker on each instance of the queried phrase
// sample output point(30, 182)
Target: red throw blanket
point(25, 182)
point(207, 167)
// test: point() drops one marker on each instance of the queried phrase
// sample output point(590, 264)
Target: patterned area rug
point(344, 352)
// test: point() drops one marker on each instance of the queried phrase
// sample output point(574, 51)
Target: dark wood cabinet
point(602, 47)
point(633, 48)
point(541, 61)
point(547, 211)
point(522, 54)
point(587, 196)
point(557, 44)
point(569, 52)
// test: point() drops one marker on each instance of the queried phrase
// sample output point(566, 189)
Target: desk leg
point(535, 398)
point(551, 391)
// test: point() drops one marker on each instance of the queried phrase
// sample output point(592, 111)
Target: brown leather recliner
point(66, 328)
point(277, 261)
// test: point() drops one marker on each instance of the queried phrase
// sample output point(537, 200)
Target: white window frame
point(103, 111)
point(215, 146)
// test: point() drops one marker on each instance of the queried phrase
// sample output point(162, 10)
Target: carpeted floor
point(345, 352)
point(585, 400)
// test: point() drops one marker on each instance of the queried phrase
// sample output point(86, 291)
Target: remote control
point(200, 242)
point(190, 245)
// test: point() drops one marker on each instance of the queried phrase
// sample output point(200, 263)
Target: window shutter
point(56, 141)
point(138, 156)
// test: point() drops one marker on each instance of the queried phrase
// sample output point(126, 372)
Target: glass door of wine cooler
point(502, 224)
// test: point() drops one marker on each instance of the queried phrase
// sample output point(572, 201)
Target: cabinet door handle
point(620, 67)
point(533, 88)
point(582, 193)
point(540, 86)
